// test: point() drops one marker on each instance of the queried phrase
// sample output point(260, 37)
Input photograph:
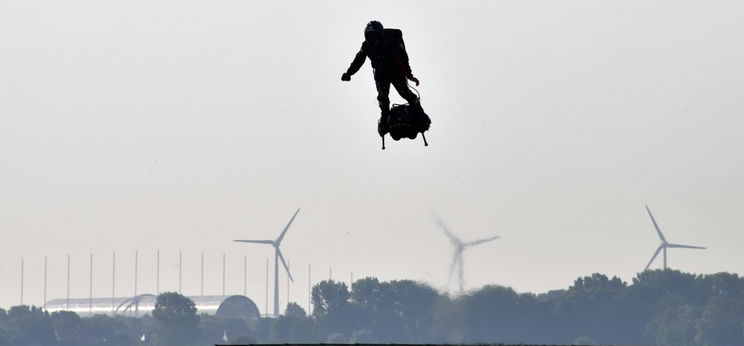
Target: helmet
point(373, 31)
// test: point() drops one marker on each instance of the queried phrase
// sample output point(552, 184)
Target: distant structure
point(221, 306)
point(277, 256)
point(457, 258)
point(664, 244)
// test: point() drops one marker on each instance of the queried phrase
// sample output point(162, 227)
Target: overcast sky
point(182, 125)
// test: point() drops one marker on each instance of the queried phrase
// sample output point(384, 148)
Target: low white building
point(237, 306)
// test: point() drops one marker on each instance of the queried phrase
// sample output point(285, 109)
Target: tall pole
point(330, 273)
point(665, 261)
point(288, 281)
point(136, 261)
point(21, 281)
point(180, 270)
point(276, 282)
point(202, 275)
point(351, 283)
point(223, 273)
point(309, 290)
point(245, 275)
point(90, 280)
point(113, 282)
point(266, 309)
point(157, 273)
point(45, 281)
point(68, 282)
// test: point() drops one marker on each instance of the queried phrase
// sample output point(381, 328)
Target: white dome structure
point(236, 306)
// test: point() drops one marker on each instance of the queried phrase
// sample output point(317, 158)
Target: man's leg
point(383, 100)
point(383, 93)
point(401, 85)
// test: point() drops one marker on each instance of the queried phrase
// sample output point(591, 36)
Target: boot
point(382, 124)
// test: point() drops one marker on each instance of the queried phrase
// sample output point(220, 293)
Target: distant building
point(221, 306)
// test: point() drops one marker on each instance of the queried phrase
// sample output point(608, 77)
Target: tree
point(663, 307)
point(370, 294)
point(589, 307)
point(414, 303)
point(295, 310)
point(262, 328)
point(67, 327)
point(29, 326)
point(722, 321)
point(328, 296)
point(116, 330)
point(686, 286)
point(377, 302)
point(675, 326)
point(293, 329)
point(333, 310)
point(724, 283)
point(655, 291)
point(598, 283)
point(175, 320)
point(395, 311)
point(212, 328)
point(489, 315)
point(447, 322)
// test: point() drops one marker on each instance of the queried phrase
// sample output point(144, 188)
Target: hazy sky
point(182, 125)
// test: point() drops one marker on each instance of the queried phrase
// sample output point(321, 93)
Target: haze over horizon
point(182, 125)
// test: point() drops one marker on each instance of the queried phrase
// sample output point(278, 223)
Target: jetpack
point(404, 121)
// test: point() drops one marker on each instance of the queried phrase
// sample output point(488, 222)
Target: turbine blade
point(685, 246)
point(658, 231)
point(658, 249)
point(481, 241)
point(461, 273)
point(255, 241)
point(452, 268)
point(281, 236)
point(279, 252)
point(447, 232)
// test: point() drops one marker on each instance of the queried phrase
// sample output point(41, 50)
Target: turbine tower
point(457, 258)
point(664, 244)
point(277, 256)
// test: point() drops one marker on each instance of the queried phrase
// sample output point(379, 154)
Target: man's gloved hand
point(414, 79)
point(345, 77)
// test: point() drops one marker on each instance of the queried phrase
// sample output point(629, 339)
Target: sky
point(179, 126)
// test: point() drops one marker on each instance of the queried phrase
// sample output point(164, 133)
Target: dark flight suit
point(390, 64)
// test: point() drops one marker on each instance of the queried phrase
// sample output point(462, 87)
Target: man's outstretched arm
point(356, 64)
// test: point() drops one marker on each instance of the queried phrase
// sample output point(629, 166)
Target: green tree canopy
point(175, 320)
point(295, 310)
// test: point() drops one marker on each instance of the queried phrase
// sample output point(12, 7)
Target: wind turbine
point(457, 258)
point(277, 256)
point(664, 244)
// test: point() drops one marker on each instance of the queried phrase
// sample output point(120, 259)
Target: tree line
point(661, 307)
